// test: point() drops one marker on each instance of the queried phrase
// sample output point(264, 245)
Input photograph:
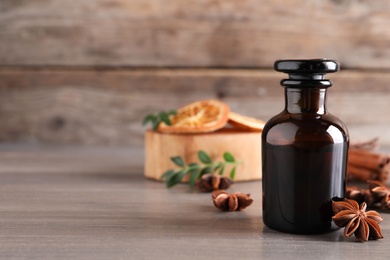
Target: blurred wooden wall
point(87, 71)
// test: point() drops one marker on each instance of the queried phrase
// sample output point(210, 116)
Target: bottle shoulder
point(286, 128)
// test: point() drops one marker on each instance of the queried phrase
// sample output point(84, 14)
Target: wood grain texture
point(107, 106)
point(200, 33)
point(245, 146)
point(94, 203)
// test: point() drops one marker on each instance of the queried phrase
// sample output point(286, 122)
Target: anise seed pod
point(244, 200)
point(225, 183)
point(356, 220)
point(211, 182)
point(381, 193)
point(220, 199)
point(231, 202)
point(360, 195)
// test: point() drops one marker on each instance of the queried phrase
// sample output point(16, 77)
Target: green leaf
point(175, 178)
point(216, 168)
point(148, 118)
point(172, 112)
point(197, 170)
point(178, 161)
point(206, 170)
point(228, 157)
point(204, 157)
point(193, 166)
point(233, 173)
point(221, 170)
point(155, 123)
point(172, 180)
point(167, 174)
point(193, 177)
point(165, 118)
point(157, 118)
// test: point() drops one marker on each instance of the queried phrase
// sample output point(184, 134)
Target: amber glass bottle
point(304, 151)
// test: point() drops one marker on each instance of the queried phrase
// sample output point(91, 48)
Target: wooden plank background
point(87, 71)
point(182, 33)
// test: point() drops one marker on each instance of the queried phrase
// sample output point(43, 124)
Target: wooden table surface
point(94, 203)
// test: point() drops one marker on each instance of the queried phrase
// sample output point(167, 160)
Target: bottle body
point(304, 151)
point(304, 168)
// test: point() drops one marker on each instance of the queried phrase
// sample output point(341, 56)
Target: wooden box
point(244, 146)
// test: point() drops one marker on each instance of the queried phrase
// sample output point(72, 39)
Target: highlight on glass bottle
point(304, 150)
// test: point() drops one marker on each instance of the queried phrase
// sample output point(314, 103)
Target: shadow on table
point(334, 236)
point(234, 225)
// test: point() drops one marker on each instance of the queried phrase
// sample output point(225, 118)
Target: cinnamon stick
point(360, 173)
point(368, 165)
point(367, 159)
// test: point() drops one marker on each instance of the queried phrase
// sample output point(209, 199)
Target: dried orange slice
point(245, 122)
point(198, 117)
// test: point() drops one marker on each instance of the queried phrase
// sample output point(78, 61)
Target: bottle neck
point(305, 100)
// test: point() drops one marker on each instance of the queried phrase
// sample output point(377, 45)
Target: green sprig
point(197, 170)
point(157, 118)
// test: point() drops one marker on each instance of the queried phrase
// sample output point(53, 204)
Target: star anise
point(356, 220)
point(210, 182)
point(381, 193)
point(360, 195)
point(231, 202)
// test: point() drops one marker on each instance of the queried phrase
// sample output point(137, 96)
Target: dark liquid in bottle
point(301, 180)
point(304, 152)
